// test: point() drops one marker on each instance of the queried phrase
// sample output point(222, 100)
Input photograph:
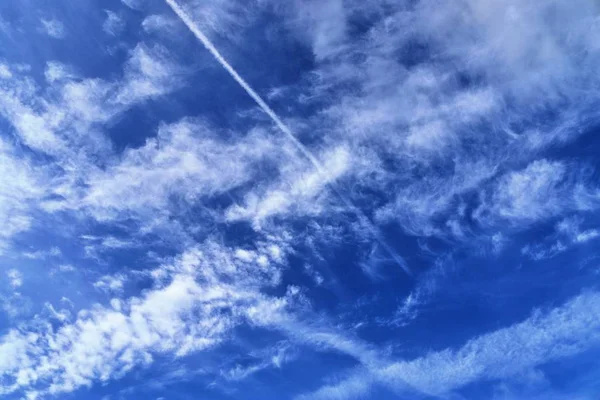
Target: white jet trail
point(185, 18)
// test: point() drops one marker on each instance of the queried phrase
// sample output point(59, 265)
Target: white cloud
point(54, 28)
point(542, 252)
point(219, 16)
point(416, 139)
point(571, 229)
point(300, 191)
point(532, 193)
point(96, 245)
point(66, 268)
point(111, 283)
point(113, 24)
point(5, 27)
point(325, 24)
point(182, 313)
point(274, 357)
point(498, 242)
point(42, 254)
point(149, 72)
point(568, 233)
point(587, 235)
point(56, 71)
point(134, 4)
point(67, 117)
point(65, 121)
point(436, 128)
point(419, 202)
point(356, 387)
point(5, 72)
point(159, 24)
point(562, 332)
point(187, 160)
point(20, 187)
point(15, 278)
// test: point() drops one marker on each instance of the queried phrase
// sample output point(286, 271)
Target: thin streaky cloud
point(362, 217)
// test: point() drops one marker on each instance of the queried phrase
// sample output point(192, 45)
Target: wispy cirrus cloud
point(54, 28)
point(21, 187)
point(114, 24)
point(502, 354)
point(56, 124)
point(204, 237)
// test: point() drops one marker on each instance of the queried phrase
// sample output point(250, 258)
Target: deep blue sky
point(302, 199)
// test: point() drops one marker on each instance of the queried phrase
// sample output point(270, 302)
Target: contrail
point(185, 18)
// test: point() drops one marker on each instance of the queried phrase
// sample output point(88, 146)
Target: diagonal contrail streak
point(364, 220)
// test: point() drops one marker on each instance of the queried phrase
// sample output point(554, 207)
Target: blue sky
point(303, 199)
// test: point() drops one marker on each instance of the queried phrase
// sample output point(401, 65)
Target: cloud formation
point(190, 193)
